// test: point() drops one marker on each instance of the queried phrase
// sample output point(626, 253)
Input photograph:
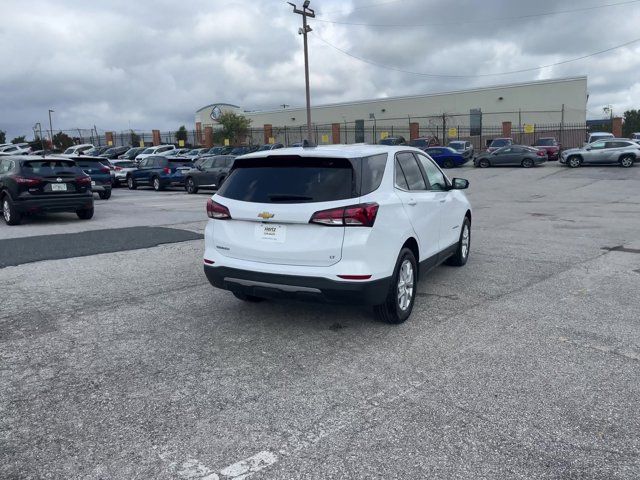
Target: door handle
point(412, 202)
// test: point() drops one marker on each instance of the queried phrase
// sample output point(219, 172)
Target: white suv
point(351, 224)
point(157, 150)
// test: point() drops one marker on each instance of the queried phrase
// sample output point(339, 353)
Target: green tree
point(182, 134)
point(21, 139)
point(631, 122)
point(234, 127)
point(3, 136)
point(135, 139)
point(62, 141)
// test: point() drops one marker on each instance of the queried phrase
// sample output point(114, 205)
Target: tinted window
point(434, 151)
point(419, 143)
point(400, 181)
point(546, 142)
point(290, 180)
point(412, 173)
point(434, 175)
point(500, 142)
point(371, 173)
point(598, 145)
point(230, 162)
point(125, 164)
point(207, 163)
point(89, 163)
point(617, 144)
point(5, 166)
point(49, 167)
point(457, 145)
point(219, 163)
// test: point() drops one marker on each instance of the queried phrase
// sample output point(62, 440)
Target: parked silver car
point(511, 155)
point(620, 151)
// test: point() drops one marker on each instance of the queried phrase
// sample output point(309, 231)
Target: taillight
point(118, 169)
point(83, 180)
point(217, 211)
point(105, 170)
point(540, 153)
point(166, 170)
point(363, 215)
point(30, 182)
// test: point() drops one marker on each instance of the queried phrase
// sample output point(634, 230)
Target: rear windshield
point(546, 142)
point(125, 164)
point(293, 179)
point(90, 163)
point(180, 161)
point(457, 145)
point(50, 167)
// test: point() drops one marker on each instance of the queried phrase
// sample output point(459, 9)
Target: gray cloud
point(151, 64)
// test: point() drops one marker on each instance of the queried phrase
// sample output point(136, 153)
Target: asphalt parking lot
point(524, 364)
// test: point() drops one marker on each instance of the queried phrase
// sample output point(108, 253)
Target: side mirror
point(459, 184)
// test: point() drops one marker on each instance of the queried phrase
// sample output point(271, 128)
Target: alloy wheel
point(626, 162)
point(6, 212)
point(465, 241)
point(405, 285)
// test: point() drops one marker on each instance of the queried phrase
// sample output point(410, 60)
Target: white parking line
point(194, 469)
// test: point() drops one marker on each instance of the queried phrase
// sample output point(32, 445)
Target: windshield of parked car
point(264, 147)
point(500, 142)
point(148, 151)
point(546, 142)
point(457, 145)
point(50, 167)
point(294, 179)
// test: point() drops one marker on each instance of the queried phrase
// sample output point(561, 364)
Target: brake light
point(30, 182)
point(83, 180)
point(217, 211)
point(540, 153)
point(105, 170)
point(117, 169)
point(363, 215)
point(166, 170)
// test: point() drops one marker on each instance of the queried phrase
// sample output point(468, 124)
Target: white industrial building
point(537, 102)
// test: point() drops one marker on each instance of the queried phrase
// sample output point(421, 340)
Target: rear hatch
point(272, 199)
point(98, 171)
point(54, 177)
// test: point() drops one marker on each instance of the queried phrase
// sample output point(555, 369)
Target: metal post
point(51, 127)
point(520, 125)
point(306, 12)
point(561, 125)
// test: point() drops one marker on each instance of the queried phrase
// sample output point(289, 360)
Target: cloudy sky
point(144, 64)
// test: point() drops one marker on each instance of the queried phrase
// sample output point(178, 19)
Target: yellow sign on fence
point(110, 142)
point(528, 128)
point(226, 142)
point(384, 135)
point(272, 140)
point(141, 143)
point(181, 143)
point(325, 138)
point(453, 132)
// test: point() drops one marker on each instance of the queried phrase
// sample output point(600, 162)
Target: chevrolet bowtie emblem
point(266, 215)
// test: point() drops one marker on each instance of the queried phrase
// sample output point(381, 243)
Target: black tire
point(627, 161)
point(9, 212)
point(85, 214)
point(483, 163)
point(461, 256)
point(448, 164)
point(156, 183)
point(131, 183)
point(247, 298)
point(527, 163)
point(391, 311)
point(106, 195)
point(191, 186)
point(574, 161)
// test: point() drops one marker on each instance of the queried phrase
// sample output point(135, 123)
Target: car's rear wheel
point(247, 298)
point(483, 163)
point(9, 212)
point(157, 184)
point(574, 161)
point(527, 163)
point(106, 195)
point(461, 256)
point(131, 183)
point(448, 164)
point(626, 161)
point(85, 213)
point(190, 186)
point(398, 305)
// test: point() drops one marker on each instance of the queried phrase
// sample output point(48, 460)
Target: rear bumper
point(55, 204)
point(269, 285)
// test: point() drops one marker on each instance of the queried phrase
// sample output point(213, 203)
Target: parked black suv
point(209, 173)
point(31, 184)
point(99, 171)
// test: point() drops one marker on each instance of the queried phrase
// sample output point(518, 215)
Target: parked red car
point(549, 145)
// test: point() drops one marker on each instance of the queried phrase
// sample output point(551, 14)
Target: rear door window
point(411, 171)
point(290, 179)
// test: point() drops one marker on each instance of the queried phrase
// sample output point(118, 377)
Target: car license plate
point(271, 232)
point(58, 187)
point(93, 183)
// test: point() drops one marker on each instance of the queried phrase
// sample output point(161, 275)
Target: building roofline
point(424, 95)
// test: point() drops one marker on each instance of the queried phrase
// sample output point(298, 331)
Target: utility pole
point(51, 127)
point(306, 12)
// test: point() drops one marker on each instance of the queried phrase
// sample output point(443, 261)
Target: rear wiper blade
point(286, 198)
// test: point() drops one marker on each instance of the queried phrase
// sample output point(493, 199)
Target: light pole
point(51, 127)
point(306, 12)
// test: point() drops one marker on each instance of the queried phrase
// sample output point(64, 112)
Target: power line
point(442, 75)
point(485, 21)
